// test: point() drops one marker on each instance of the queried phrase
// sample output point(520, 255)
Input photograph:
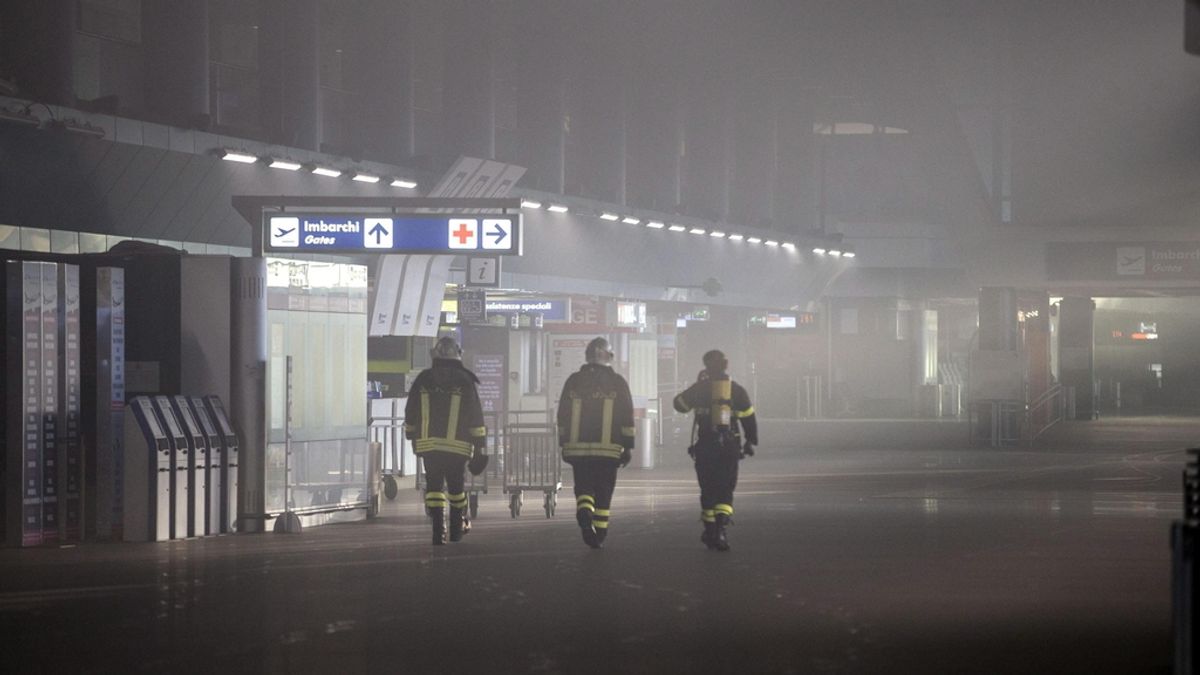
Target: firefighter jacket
point(698, 398)
point(595, 414)
point(443, 410)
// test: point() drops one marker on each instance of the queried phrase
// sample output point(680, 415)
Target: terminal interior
point(949, 249)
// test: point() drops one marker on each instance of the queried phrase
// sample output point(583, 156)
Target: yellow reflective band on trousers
point(425, 414)
point(600, 518)
point(585, 502)
point(609, 451)
point(452, 420)
point(708, 516)
point(435, 499)
point(459, 500)
point(606, 424)
point(723, 508)
point(576, 415)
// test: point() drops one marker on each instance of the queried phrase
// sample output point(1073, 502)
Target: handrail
point(1054, 400)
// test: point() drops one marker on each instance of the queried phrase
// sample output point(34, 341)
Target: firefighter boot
point(709, 536)
point(438, 514)
point(601, 533)
point(584, 518)
point(457, 524)
point(720, 542)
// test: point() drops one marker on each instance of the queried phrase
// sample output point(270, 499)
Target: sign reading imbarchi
point(454, 234)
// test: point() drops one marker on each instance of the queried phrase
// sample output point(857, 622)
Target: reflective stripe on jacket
point(443, 412)
point(595, 414)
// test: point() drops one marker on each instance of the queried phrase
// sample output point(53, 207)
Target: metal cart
point(531, 464)
point(385, 422)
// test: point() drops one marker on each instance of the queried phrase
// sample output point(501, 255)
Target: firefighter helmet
point(598, 352)
point(446, 348)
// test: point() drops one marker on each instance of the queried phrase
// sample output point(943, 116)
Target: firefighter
point(595, 430)
point(723, 414)
point(444, 420)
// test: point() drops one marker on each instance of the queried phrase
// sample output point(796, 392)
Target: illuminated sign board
point(551, 310)
point(454, 234)
point(784, 321)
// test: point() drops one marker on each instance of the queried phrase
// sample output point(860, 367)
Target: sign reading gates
point(1144, 261)
point(454, 234)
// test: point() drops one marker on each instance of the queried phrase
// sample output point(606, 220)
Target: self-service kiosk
point(180, 488)
point(229, 475)
point(148, 471)
point(197, 444)
point(215, 462)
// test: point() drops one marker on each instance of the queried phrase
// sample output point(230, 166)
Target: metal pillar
point(248, 386)
point(1076, 360)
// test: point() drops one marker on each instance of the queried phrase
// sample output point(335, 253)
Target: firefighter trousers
point(444, 479)
point(717, 473)
point(595, 479)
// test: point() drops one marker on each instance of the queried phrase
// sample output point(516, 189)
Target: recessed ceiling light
point(848, 254)
point(716, 233)
point(753, 240)
point(771, 242)
point(736, 237)
point(697, 230)
point(286, 165)
point(789, 246)
point(404, 183)
point(630, 220)
point(609, 217)
point(238, 156)
point(677, 228)
point(328, 173)
point(530, 204)
point(365, 177)
point(835, 253)
point(557, 208)
point(819, 251)
point(656, 224)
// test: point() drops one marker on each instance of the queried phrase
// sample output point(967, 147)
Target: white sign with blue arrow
point(497, 234)
point(377, 232)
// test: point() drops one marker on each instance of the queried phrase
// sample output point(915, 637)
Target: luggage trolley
point(531, 463)
point(386, 421)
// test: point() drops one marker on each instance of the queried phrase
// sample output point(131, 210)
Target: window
point(533, 354)
point(112, 19)
point(233, 54)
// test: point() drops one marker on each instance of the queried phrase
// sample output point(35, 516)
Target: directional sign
point(497, 233)
point(377, 232)
point(457, 234)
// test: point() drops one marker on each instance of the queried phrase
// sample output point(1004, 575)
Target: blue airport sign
point(455, 234)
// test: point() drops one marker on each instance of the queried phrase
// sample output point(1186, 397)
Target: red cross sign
point(463, 233)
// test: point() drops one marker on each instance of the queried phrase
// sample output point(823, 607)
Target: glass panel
point(92, 243)
point(177, 245)
point(114, 19)
point(35, 239)
point(64, 242)
point(10, 237)
point(195, 248)
point(113, 240)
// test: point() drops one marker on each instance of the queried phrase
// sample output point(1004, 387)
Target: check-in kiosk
point(180, 463)
point(147, 497)
point(197, 467)
point(229, 450)
point(215, 493)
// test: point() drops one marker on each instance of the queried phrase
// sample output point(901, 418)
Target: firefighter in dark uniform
point(444, 420)
point(595, 430)
point(723, 414)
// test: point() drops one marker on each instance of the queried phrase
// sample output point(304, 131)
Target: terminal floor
point(1045, 560)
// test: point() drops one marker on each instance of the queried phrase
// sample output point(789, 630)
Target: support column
point(248, 387)
point(175, 37)
point(1076, 352)
point(998, 328)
